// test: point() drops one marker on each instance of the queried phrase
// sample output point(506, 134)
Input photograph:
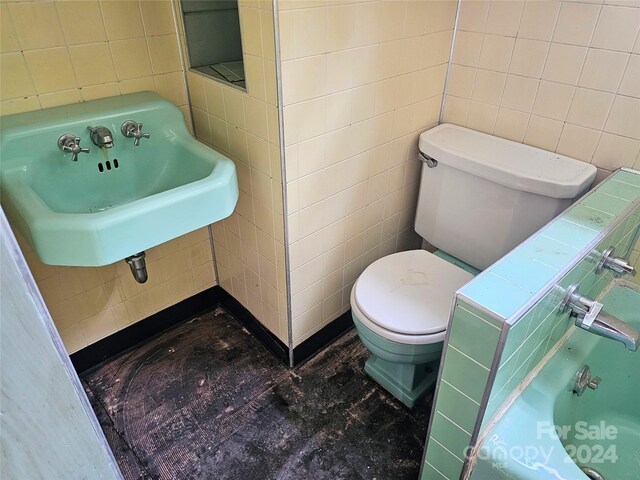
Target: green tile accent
point(627, 177)
point(526, 273)
point(430, 473)
point(605, 203)
point(624, 245)
point(620, 189)
point(495, 321)
point(496, 294)
point(598, 287)
point(474, 336)
point(589, 218)
point(457, 406)
point(449, 435)
point(559, 330)
point(534, 340)
point(531, 337)
point(549, 251)
point(449, 465)
point(503, 289)
point(515, 335)
point(464, 374)
point(570, 233)
point(504, 373)
point(495, 402)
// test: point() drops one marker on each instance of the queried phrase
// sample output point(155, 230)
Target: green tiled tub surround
point(549, 398)
point(518, 297)
point(538, 330)
point(557, 245)
point(472, 340)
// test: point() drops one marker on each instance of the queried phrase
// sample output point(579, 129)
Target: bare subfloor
point(205, 400)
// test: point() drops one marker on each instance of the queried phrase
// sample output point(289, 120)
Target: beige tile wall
point(56, 53)
point(560, 75)
point(88, 304)
point(62, 52)
point(249, 245)
point(360, 81)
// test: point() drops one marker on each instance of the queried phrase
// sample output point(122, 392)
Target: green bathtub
point(550, 433)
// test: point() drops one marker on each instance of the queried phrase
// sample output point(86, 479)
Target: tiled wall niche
point(48, 58)
point(559, 75)
point(507, 319)
point(249, 245)
point(360, 82)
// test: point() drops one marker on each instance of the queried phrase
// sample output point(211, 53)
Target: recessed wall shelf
point(214, 42)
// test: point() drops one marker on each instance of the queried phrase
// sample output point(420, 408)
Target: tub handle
point(618, 265)
point(584, 380)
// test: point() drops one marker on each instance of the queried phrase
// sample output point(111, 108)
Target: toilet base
point(406, 382)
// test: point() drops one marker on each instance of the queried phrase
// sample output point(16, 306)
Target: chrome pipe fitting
point(138, 266)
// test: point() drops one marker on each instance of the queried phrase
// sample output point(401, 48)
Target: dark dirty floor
point(205, 400)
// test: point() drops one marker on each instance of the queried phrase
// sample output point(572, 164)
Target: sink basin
point(110, 203)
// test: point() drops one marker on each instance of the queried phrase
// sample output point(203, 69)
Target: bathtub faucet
point(590, 317)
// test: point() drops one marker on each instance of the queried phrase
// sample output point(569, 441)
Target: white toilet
point(480, 196)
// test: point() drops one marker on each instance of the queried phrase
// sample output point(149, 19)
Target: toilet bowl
point(480, 196)
point(400, 306)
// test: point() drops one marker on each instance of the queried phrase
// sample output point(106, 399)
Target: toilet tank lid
point(514, 165)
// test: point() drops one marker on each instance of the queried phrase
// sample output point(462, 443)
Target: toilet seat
point(406, 297)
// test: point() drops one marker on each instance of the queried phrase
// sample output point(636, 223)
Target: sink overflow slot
point(101, 167)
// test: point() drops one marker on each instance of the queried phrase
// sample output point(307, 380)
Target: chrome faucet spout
point(591, 317)
point(101, 137)
point(608, 326)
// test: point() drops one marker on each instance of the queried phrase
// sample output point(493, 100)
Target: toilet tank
point(487, 194)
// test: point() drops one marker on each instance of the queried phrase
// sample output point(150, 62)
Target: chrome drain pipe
point(138, 266)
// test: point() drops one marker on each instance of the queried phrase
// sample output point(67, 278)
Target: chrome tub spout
point(591, 317)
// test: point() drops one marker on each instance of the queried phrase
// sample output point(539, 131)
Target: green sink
point(110, 203)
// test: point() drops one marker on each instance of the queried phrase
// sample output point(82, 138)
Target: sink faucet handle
point(618, 265)
point(70, 143)
point(133, 129)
